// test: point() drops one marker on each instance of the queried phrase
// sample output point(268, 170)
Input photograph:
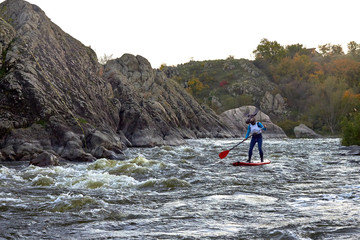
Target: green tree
point(292, 76)
point(337, 50)
point(292, 50)
point(350, 124)
point(346, 68)
point(350, 129)
point(353, 48)
point(270, 51)
point(326, 100)
point(325, 49)
point(297, 68)
point(329, 50)
point(351, 102)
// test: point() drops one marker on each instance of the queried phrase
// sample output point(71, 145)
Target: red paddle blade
point(224, 154)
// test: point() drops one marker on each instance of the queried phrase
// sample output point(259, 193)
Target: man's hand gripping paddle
point(226, 152)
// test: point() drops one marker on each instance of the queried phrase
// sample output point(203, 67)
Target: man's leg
point(260, 149)
point(252, 144)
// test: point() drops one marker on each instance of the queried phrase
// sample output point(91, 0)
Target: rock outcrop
point(302, 131)
point(56, 98)
point(230, 83)
point(273, 104)
point(354, 150)
point(155, 110)
point(236, 118)
point(45, 159)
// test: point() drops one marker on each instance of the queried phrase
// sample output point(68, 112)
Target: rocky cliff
point(228, 84)
point(154, 109)
point(56, 98)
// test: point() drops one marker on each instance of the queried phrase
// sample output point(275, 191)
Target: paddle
point(226, 152)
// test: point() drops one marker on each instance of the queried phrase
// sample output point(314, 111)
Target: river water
point(311, 190)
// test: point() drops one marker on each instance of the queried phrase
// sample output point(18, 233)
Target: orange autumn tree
point(351, 102)
point(195, 86)
point(297, 68)
point(346, 68)
point(292, 76)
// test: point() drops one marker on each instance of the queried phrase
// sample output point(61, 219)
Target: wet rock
point(105, 145)
point(45, 159)
point(72, 150)
point(8, 154)
point(24, 144)
point(354, 150)
point(102, 152)
point(302, 131)
point(27, 151)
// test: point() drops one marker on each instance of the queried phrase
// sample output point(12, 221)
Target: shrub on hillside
point(350, 128)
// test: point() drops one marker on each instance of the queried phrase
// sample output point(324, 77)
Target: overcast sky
point(175, 31)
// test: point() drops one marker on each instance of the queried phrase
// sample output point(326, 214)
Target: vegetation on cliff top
point(321, 88)
point(222, 84)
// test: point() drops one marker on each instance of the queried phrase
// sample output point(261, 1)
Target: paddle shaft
point(237, 144)
point(240, 142)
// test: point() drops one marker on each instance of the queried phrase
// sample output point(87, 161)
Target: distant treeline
point(321, 88)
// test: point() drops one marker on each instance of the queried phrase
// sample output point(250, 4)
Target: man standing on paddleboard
point(254, 129)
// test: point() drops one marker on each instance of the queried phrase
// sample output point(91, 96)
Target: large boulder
point(104, 145)
point(354, 150)
point(302, 131)
point(237, 117)
point(45, 159)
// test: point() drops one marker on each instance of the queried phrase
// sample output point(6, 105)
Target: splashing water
point(311, 190)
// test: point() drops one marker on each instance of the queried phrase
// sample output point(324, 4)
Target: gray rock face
point(7, 34)
point(236, 118)
point(273, 104)
point(56, 98)
point(155, 110)
point(302, 131)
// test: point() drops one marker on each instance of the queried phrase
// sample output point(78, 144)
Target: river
point(311, 190)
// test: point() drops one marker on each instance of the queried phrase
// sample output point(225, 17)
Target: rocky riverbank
point(57, 99)
point(57, 102)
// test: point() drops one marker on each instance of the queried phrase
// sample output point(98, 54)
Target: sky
point(172, 32)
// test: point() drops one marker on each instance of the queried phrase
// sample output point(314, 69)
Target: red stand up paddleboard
point(251, 163)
